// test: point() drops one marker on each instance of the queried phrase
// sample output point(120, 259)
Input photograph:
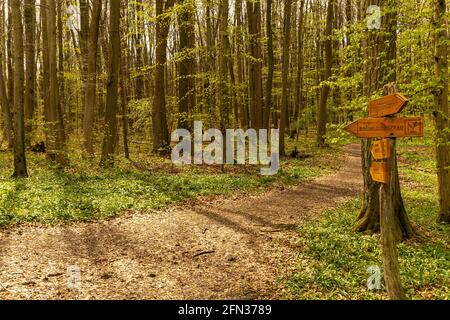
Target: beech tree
point(441, 112)
point(20, 163)
point(110, 135)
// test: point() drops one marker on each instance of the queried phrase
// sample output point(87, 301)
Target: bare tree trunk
point(56, 135)
point(299, 103)
point(223, 85)
point(255, 63)
point(20, 163)
point(4, 101)
point(109, 140)
point(90, 86)
point(239, 46)
point(270, 64)
point(186, 82)
point(322, 115)
point(285, 75)
point(29, 12)
point(159, 113)
point(441, 113)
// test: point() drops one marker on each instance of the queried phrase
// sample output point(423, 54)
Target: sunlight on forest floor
point(83, 191)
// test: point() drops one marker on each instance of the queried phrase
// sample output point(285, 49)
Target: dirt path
point(227, 249)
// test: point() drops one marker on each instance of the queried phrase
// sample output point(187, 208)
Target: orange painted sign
point(387, 127)
point(380, 172)
point(388, 105)
point(381, 149)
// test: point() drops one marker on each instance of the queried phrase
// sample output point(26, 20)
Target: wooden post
point(388, 239)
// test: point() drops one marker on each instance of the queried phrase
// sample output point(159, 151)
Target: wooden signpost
point(380, 149)
point(380, 172)
point(387, 106)
point(385, 128)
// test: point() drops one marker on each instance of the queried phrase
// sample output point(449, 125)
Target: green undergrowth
point(334, 261)
point(83, 191)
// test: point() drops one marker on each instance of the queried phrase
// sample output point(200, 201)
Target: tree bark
point(20, 163)
point(270, 64)
point(285, 75)
point(90, 85)
point(29, 12)
point(55, 126)
point(389, 223)
point(4, 100)
point(159, 112)
point(186, 67)
point(110, 133)
point(441, 113)
point(322, 115)
point(255, 63)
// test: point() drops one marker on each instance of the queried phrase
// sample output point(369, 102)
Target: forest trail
point(232, 248)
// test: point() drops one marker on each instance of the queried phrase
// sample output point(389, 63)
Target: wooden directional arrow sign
point(387, 127)
point(381, 150)
point(380, 172)
point(388, 105)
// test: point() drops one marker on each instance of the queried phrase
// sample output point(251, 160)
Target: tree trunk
point(110, 134)
point(389, 224)
point(441, 113)
point(223, 85)
point(255, 63)
point(285, 74)
point(240, 65)
point(270, 64)
point(91, 79)
point(4, 101)
point(186, 67)
point(20, 163)
point(299, 98)
point(159, 113)
point(55, 126)
point(29, 12)
point(322, 115)
point(380, 47)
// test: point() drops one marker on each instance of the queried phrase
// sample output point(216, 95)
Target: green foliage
point(83, 191)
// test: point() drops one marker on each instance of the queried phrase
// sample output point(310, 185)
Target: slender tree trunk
point(55, 128)
point(91, 79)
point(285, 75)
point(109, 140)
point(186, 67)
point(255, 63)
point(441, 113)
point(4, 101)
point(322, 115)
point(299, 103)
point(159, 113)
point(240, 65)
point(20, 163)
point(29, 12)
point(270, 64)
point(223, 85)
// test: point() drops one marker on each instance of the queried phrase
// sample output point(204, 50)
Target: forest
point(91, 90)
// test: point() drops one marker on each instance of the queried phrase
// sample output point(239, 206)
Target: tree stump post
point(387, 222)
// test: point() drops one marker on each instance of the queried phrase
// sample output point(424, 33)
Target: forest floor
point(233, 247)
